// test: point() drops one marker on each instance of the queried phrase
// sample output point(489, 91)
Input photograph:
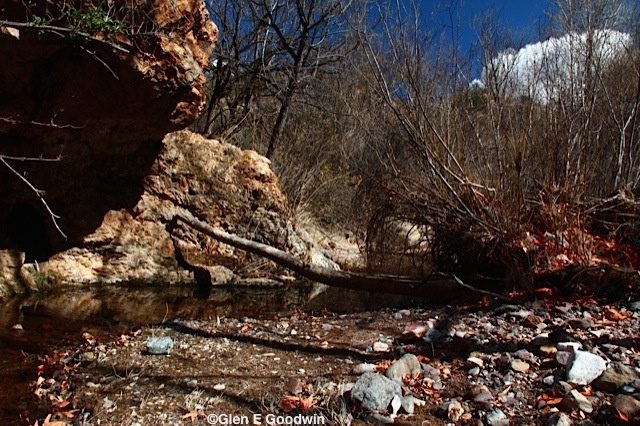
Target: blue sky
point(521, 22)
point(521, 18)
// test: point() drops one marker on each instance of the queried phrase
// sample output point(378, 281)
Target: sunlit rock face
point(546, 70)
point(226, 186)
point(102, 105)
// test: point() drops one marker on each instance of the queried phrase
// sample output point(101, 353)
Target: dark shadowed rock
point(616, 376)
point(558, 419)
point(627, 405)
point(574, 400)
point(104, 109)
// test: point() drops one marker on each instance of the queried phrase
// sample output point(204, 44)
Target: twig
point(52, 123)
point(38, 192)
point(54, 29)
point(38, 159)
point(97, 58)
point(472, 288)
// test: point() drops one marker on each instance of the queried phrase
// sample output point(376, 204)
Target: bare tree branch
point(39, 193)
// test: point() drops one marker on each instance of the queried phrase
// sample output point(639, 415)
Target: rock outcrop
point(221, 184)
point(97, 84)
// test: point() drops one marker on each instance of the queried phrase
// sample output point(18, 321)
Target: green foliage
point(93, 20)
point(43, 281)
point(38, 20)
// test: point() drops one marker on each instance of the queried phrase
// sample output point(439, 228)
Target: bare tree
point(271, 49)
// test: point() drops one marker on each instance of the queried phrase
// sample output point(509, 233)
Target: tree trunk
point(438, 287)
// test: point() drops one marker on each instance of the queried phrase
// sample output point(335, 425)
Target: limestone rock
point(375, 391)
point(584, 367)
point(159, 345)
point(221, 184)
point(11, 262)
point(103, 107)
point(408, 365)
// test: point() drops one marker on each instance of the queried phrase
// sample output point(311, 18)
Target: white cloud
point(546, 69)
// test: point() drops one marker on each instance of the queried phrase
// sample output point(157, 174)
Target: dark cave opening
point(27, 231)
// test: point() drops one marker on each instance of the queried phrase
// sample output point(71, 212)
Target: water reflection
point(56, 321)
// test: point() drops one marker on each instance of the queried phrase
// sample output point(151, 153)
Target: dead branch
point(58, 30)
point(39, 193)
point(435, 285)
point(36, 159)
point(51, 123)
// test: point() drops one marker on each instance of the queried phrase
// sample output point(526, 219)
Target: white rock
point(380, 347)
point(396, 403)
point(219, 387)
point(584, 367)
point(364, 367)
point(475, 360)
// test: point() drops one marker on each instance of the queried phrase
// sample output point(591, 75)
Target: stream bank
point(249, 352)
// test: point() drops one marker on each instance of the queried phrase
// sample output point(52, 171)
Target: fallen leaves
point(550, 399)
point(193, 415)
point(612, 314)
point(290, 403)
point(383, 365)
point(48, 422)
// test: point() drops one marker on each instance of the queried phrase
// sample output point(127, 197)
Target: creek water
point(56, 320)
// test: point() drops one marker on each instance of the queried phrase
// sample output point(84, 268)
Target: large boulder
point(217, 182)
point(100, 93)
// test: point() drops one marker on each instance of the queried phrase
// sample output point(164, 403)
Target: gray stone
point(375, 391)
point(525, 355)
point(159, 345)
point(408, 365)
point(616, 376)
point(627, 405)
point(563, 357)
point(431, 372)
point(378, 419)
point(409, 404)
point(497, 417)
point(549, 380)
point(562, 387)
point(576, 401)
point(584, 367)
point(558, 419)
point(433, 336)
point(635, 306)
point(484, 400)
point(581, 323)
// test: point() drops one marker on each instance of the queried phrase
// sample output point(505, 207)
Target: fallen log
point(436, 285)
